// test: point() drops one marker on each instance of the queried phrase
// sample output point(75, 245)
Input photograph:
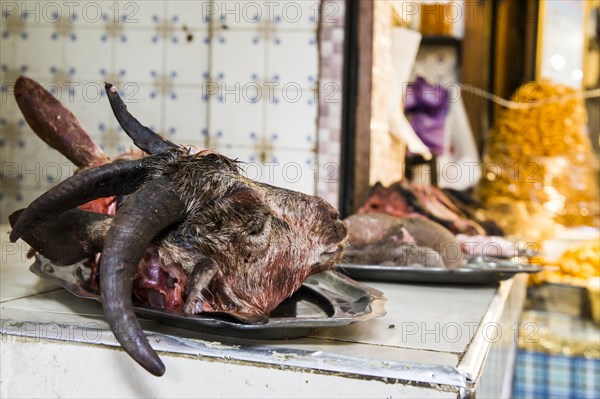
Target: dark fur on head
point(262, 241)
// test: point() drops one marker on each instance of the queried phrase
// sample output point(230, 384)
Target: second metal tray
point(475, 275)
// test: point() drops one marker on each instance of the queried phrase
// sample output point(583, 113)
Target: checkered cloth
point(540, 375)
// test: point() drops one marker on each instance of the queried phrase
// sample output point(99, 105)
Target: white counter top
point(434, 341)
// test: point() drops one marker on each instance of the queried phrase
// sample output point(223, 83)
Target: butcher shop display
point(382, 239)
point(476, 211)
point(420, 200)
point(474, 230)
point(414, 233)
point(180, 228)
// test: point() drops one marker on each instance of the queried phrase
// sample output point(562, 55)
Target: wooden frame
point(356, 119)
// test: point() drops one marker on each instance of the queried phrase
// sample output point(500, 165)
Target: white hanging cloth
point(459, 166)
point(405, 45)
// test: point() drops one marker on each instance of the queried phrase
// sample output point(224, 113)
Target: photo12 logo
point(290, 172)
point(71, 92)
point(451, 12)
point(90, 12)
point(454, 332)
point(271, 91)
point(289, 12)
point(89, 332)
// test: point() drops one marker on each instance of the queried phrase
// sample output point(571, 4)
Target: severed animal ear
point(56, 125)
point(69, 237)
point(248, 199)
point(251, 213)
point(245, 196)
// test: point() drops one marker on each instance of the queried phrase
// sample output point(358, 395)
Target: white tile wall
point(85, 55)
point(298, 66)
point(237, 57)
point(209, 73)
point(38, 52)
point(290, 119)
point(186, 116)
point(235, 121)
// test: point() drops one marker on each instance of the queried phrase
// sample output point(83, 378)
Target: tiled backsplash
point(237, 76)
point(329, 134)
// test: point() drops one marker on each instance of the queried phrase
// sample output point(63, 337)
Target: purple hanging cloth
point(427, 107)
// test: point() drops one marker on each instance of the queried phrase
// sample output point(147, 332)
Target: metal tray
point(326, 299)
point(480, 273)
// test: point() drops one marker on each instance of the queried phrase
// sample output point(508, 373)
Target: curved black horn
point(144, 214)
point(143, 137)
point(122, 177)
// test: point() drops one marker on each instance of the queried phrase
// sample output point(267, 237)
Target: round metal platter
point(326, 299)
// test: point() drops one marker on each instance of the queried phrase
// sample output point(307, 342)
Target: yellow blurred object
point(558, 334)
point(522, 220)
point(543, 157)
point(576, 266)
point(593, 286)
